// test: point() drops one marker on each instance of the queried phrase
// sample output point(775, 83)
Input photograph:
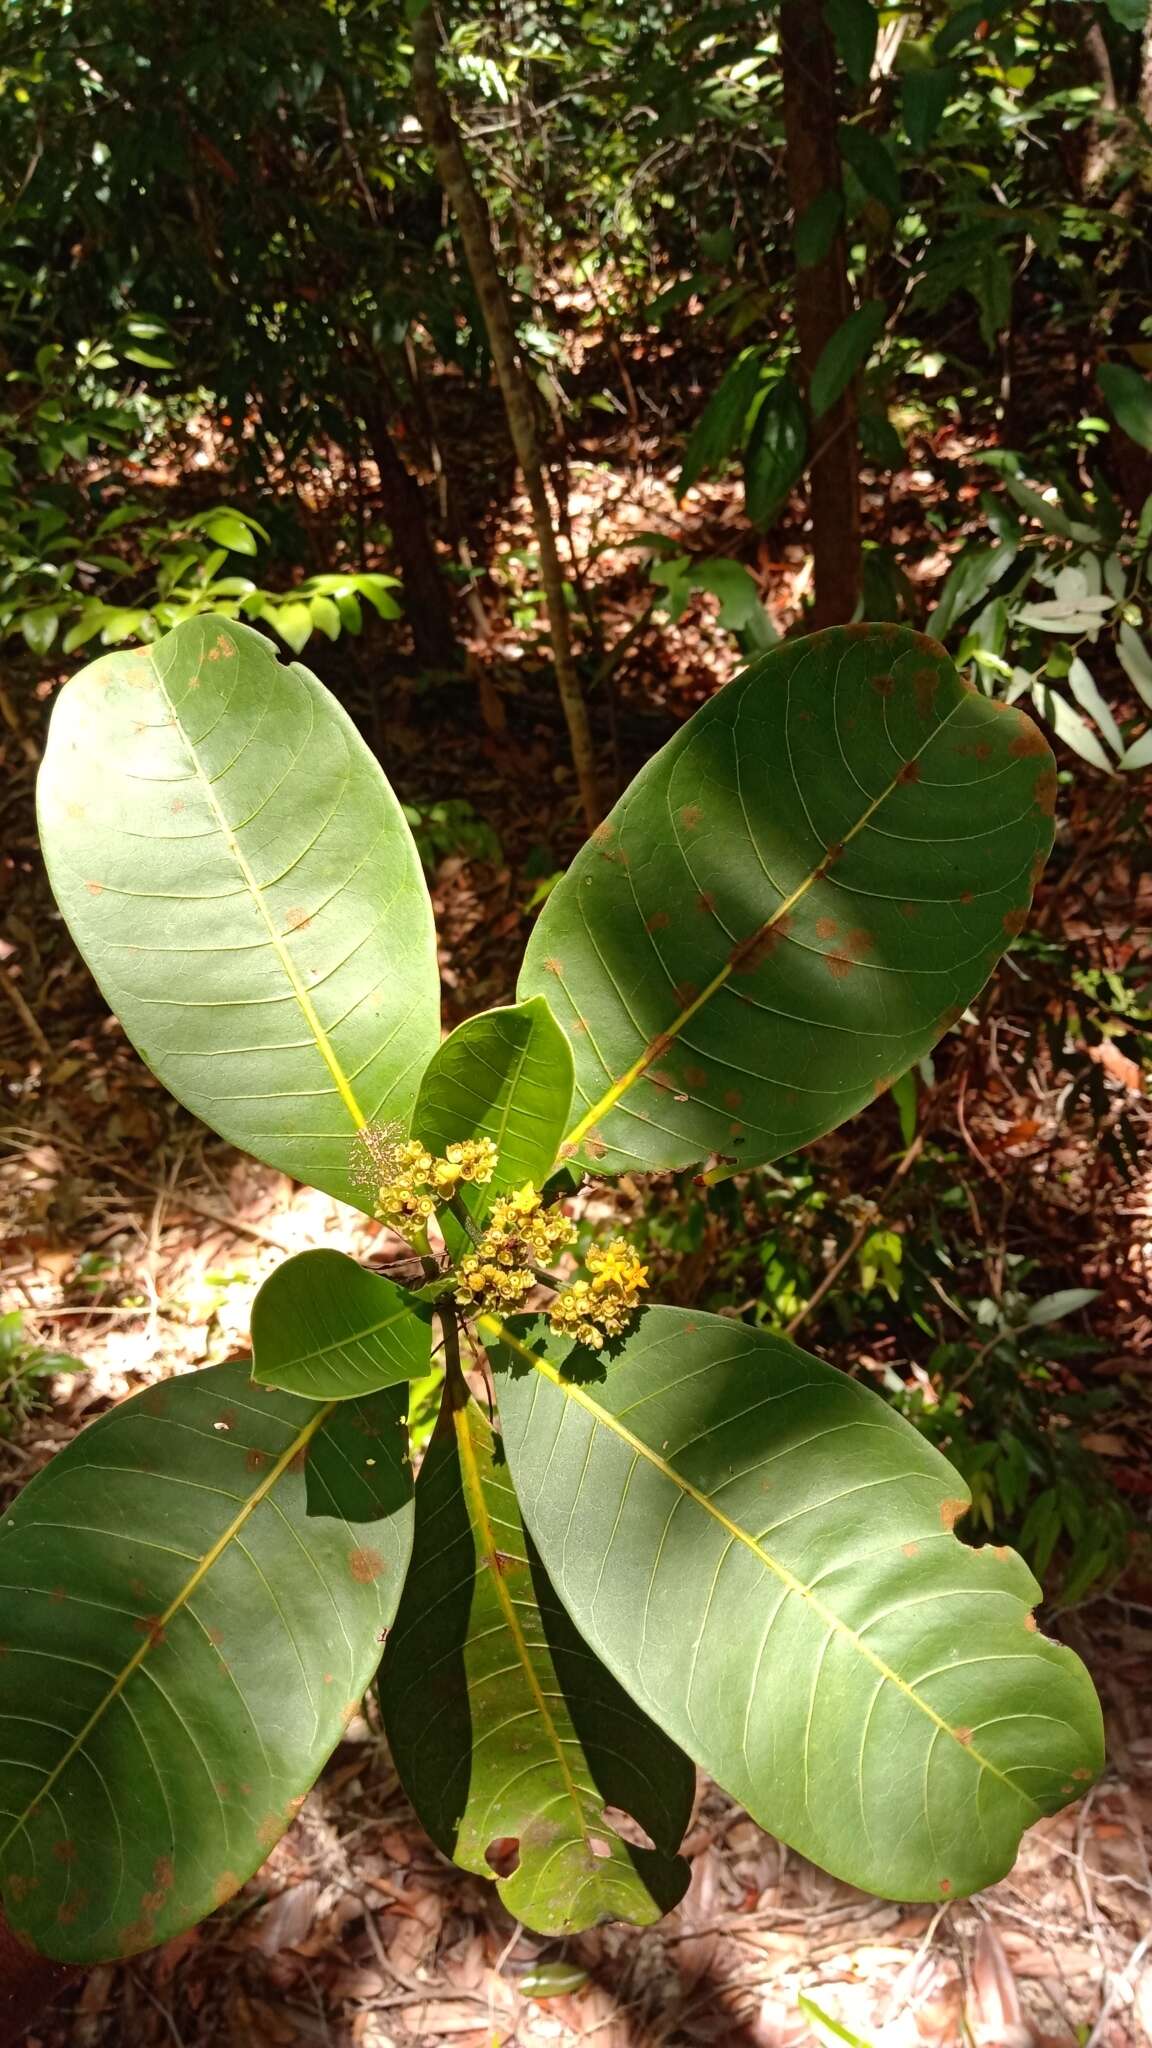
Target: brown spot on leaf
point(365, 1566)
point(269, 1830)
point(910, 772)
point(690, 817)
point(298, 1463)
point(225, 1887)
point(163, 1874)
point(659, 1077)
point(150, 1625)
point(963, 1735)
point(752, 952)
point(883, 684)
point(658, 921)
point(1014, 921)
point(1044, 793)
point(72, 1908)
point(594, 1145)
point(910, 1549)
point(685, 993)
point(255, 1459)
point(64, 1852)
point(59, 1594)
point(732, 1098)
point(983, 750)
point(826, 927)
point(215, 1636)
point(696, 1077)
point(925, 682)
point(1030, 1621)
point(945, 1884)
point(19, 1887)
point(839, 966)
point(1028, 742)
point(909, 910)
point(297, 919)
point(604, 832)
point(225, 1420)
point(706, 903)
point(553, 966)
point(94, 888)
point(951, 1511)
point(860, 940)
point(1082, 1774)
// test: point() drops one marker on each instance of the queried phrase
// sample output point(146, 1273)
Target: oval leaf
point(1129, 398)
point(505, 1729)
point(791, 902)
point(182, 1648)
point(846, 352)
point(762, 1550)
point(506, 1075)
point(774, 457)
point(242, 882)
point(324, 1327)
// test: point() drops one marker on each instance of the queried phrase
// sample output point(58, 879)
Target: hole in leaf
point(628, 1829)
point(503, 1855)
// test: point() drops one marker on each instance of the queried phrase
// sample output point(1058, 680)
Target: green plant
point(23, 1364)
point(658, 1536)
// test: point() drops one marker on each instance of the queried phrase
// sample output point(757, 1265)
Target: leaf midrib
point(482, 1522)
point(663, 1039)
point(308, 1009)
point(788, 1579)
point(210, 1558)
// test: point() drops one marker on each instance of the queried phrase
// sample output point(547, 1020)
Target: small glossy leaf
point(1068, 726)
point(854, 24)
point(849, 348)
point(182, 1646)
point(762, 1551)
point(1136, 663)
point(326, 1328)
point(40, 628)
point(1067, 1301)
point(1138, 755)
point(791, 901)
point(506, 1075)
point(720, 428)
point(1083, 688)
point(244, 886)
point(505, 1729)
point(816, 228)
point(230, 532)
point(1129, 397)
point(774, 457)
point(294, 624)
point(873, 165)
point(927, 91)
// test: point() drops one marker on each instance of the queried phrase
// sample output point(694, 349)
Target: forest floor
point(134, 1243)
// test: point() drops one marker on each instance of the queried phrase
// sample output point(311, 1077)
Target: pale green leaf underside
point(325, 1327)
point(503, 1725)
point(762, 1552)
point(243, 884)
point(182, 1644)
point(791, 903)
point(504, 1075)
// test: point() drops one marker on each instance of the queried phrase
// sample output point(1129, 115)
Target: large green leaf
point(182, 1644)
point(792, 901)
point(505, 1729)
point(325, 1327)
point(505, 1075)
point(244, 886)
point(762, 1552)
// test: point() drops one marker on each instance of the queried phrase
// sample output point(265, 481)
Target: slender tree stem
point(472, 219)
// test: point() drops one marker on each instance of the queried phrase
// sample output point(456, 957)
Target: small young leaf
point(849, 348)
point(1083, 688)
point(230, 532)
point(294, 624)
point(1136, 662)
point(327, 1329)
point(1138, 755)
point(1067, 1301)
point(40, 628)
point(1070, 727)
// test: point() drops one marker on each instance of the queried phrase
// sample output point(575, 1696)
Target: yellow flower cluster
point(412, 1182)
point(591, 1310)
point(520, 1234)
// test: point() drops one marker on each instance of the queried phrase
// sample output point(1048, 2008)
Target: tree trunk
point(823, 303)
point(476, 237)
point(427, 600)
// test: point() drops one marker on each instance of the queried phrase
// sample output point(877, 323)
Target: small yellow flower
point(591, 1310)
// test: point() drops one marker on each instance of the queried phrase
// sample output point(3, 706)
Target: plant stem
point(475, 227)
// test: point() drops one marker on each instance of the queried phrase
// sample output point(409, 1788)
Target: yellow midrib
point(478, 1506)
point(788, 1579)
point(210, 1558)
point(307, 1007)
point(612, 1095)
